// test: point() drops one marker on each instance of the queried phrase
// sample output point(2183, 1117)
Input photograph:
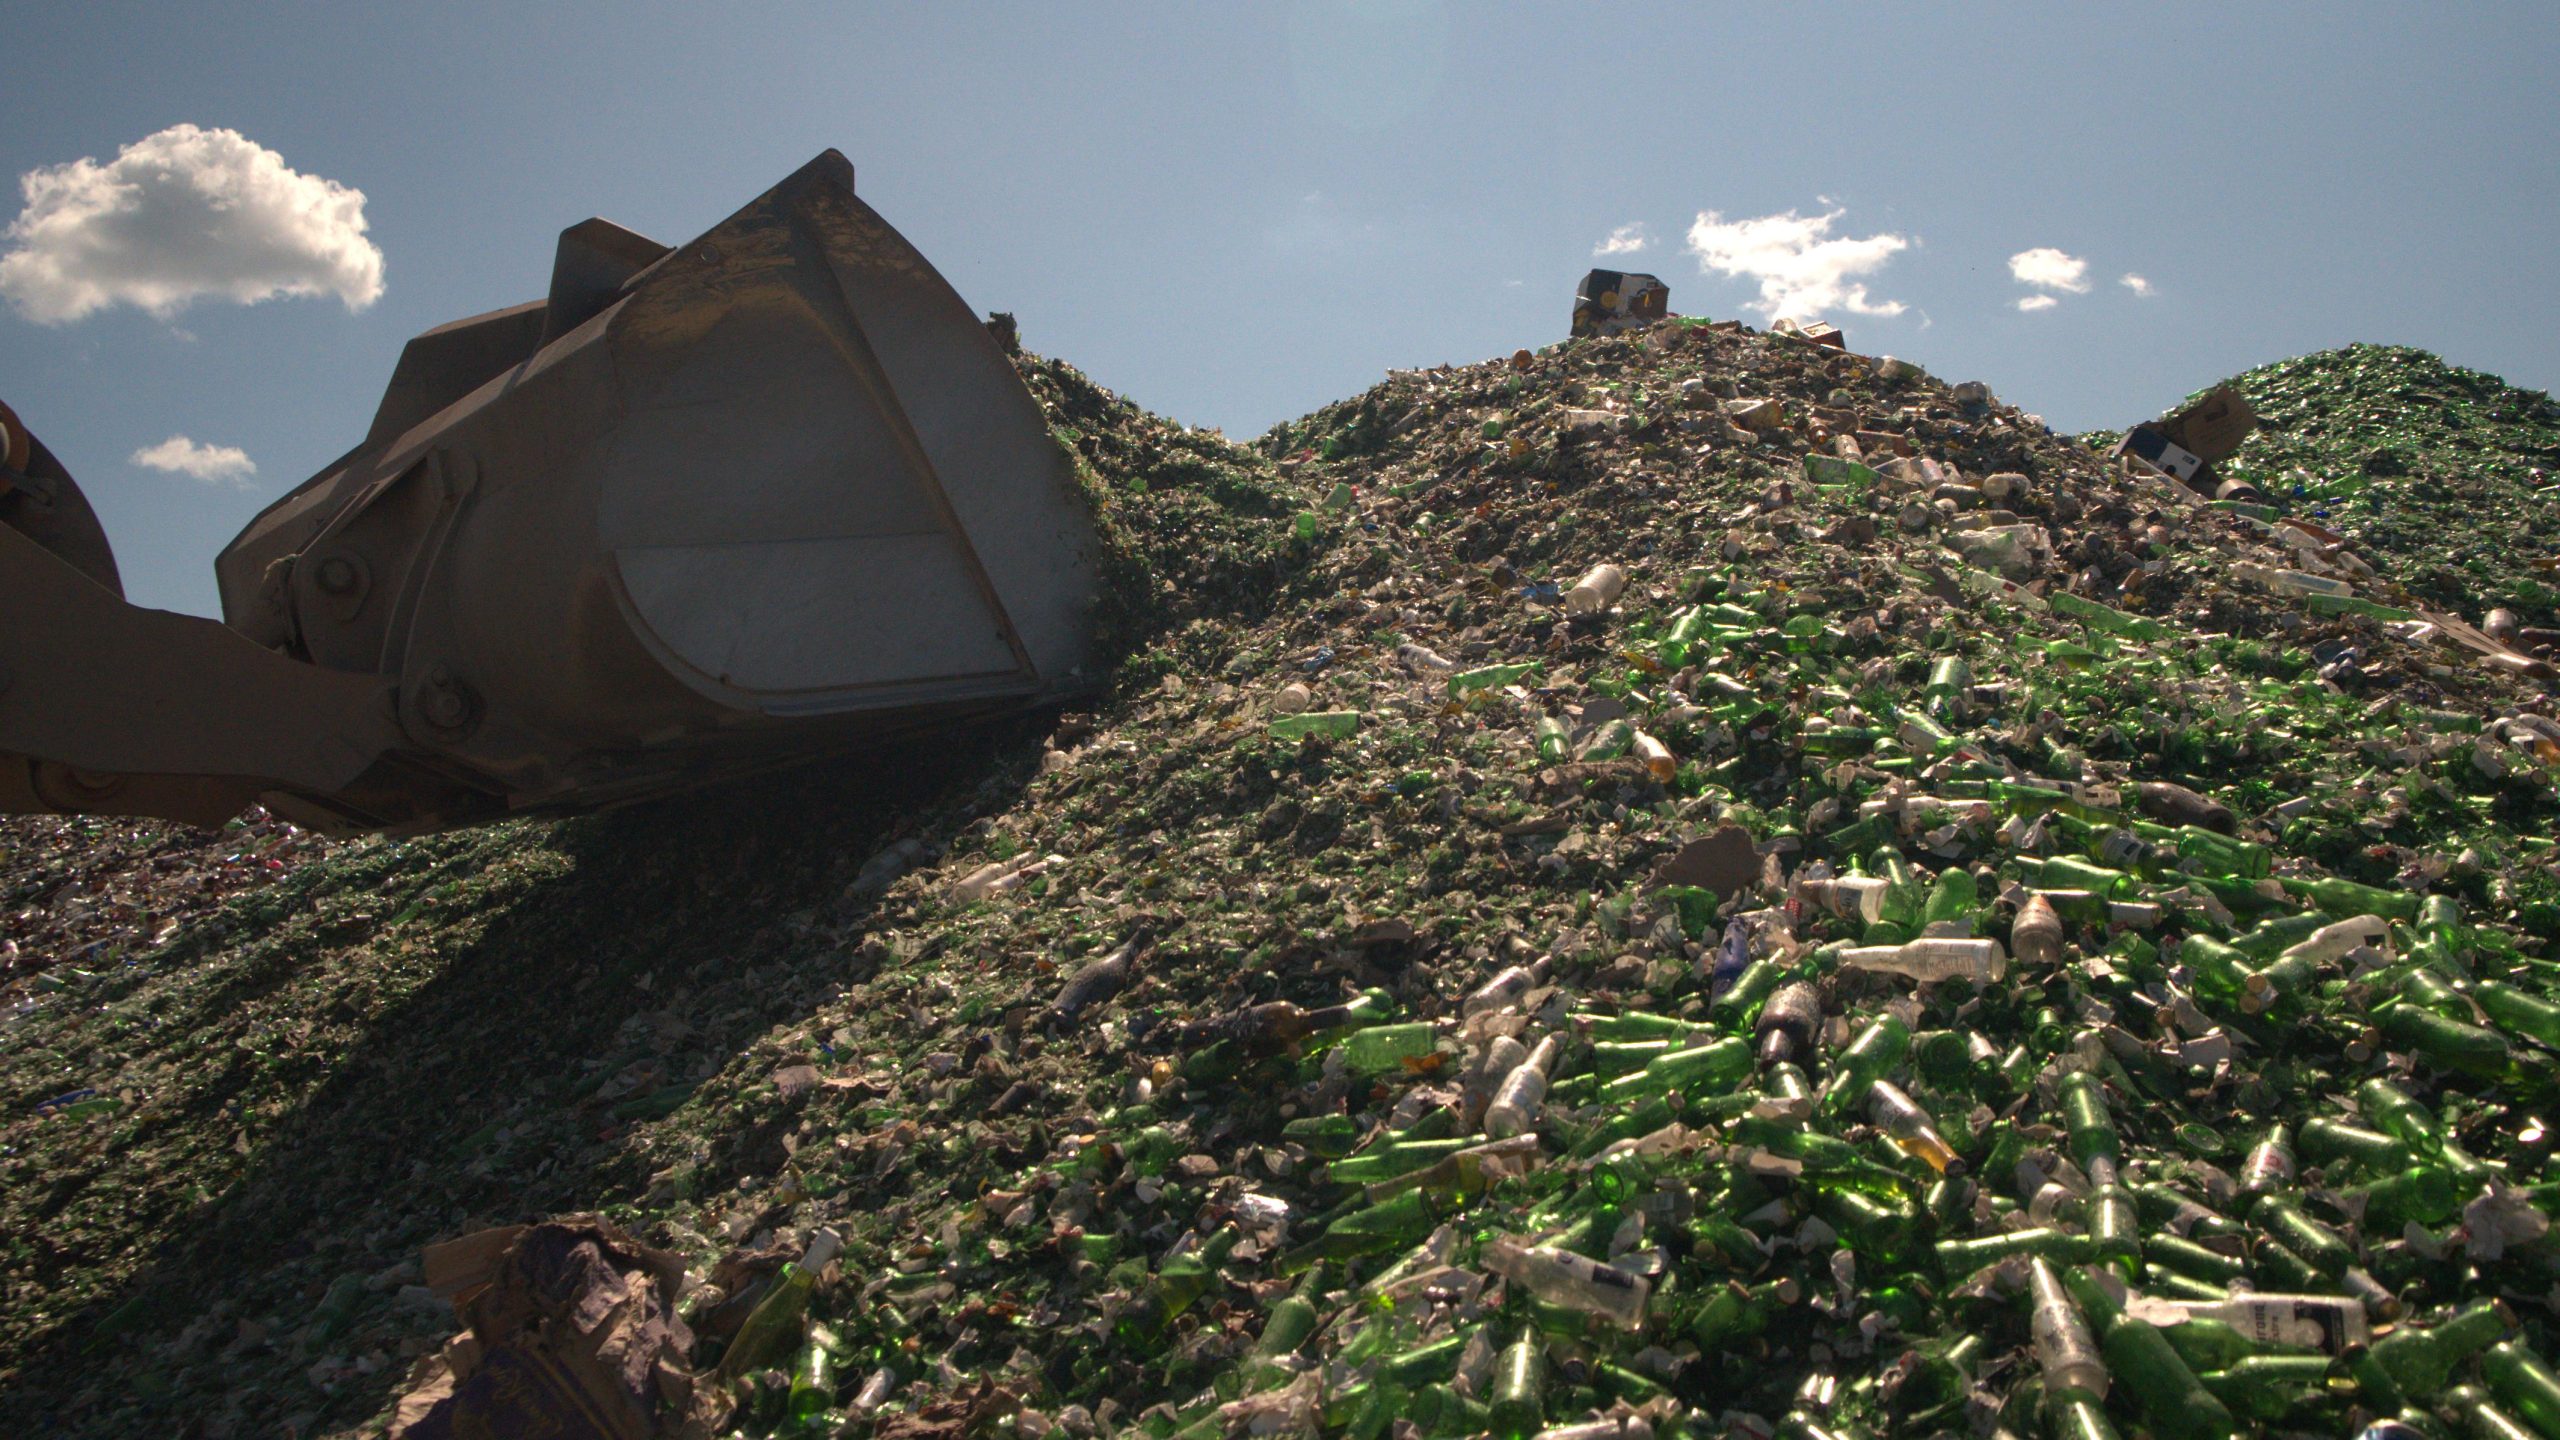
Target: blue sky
point(1235, 214)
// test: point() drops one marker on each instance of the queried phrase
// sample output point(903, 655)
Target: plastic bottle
point(2331, 943)
point(2330, 1324)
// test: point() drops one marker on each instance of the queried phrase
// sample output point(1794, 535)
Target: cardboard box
point(2213, 427)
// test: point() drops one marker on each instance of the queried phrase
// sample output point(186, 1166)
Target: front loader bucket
point(700, 511)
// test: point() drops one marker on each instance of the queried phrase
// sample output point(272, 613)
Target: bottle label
point(2301, 1321)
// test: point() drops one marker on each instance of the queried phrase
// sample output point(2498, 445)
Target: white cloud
point(2049, 269)
point(1802, 268)
point(1625, 240)
point(2137, 285)
point(180, 216)
point(2038, 302)
point(212, 464)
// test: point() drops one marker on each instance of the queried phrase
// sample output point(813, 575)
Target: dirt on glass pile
point(1932, 879)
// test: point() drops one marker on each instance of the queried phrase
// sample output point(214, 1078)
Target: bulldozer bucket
point(702, 510)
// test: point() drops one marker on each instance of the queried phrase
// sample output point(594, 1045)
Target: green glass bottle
point(2221, 854)
point(1325, 1135)
point(813, 1376)
point(2413, 1365)
point(2346, 897)
point(1179, 1284)
point(2070, 872)
point(1373, 1230)
point(2483, 1417)
point(2092, 1135)
point(2400, 1115)
point(2269, 1166)
point(2519, 1012)
point(1702, 1069)
point(1953, 897)
point(2207, 1345)
point(772, 1329)
point(2324, 1140)
point(1553, 742)
point(2077, 1417)
point(1958, 1259)
point(2525, 1383)
point(1879, 1231)
point(1293, 1320)
point(1388, 1049)
point(1870, 1057)
point(1736, 1311)
point(2141, 1361)
point(2221, 971)
point(2425, 1194)
point(1394, 1158)
point(1519, 1386)
point(2115, 1228)
point(1337, 724)
point(2448, 1043)
point(2186, 1257)
point(2285, 1221)
point(1742, 1000)
point(1903, 901)
point(2269, 1387)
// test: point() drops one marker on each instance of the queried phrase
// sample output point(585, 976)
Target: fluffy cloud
point(2049, 269)
point(1625, 240)
point(180, 216)
point(213, 464)
point(1802, 268)
point(2137, 285)
point(2038, 302)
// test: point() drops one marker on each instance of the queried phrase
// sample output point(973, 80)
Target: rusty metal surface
point(702, 510)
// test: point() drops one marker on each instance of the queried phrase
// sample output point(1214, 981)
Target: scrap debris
point(1683, 882)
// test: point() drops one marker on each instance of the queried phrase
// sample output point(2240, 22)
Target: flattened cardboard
point(2212, 427)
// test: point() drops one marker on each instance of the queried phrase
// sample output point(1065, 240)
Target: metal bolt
point(446, 707)
point(337, 576)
